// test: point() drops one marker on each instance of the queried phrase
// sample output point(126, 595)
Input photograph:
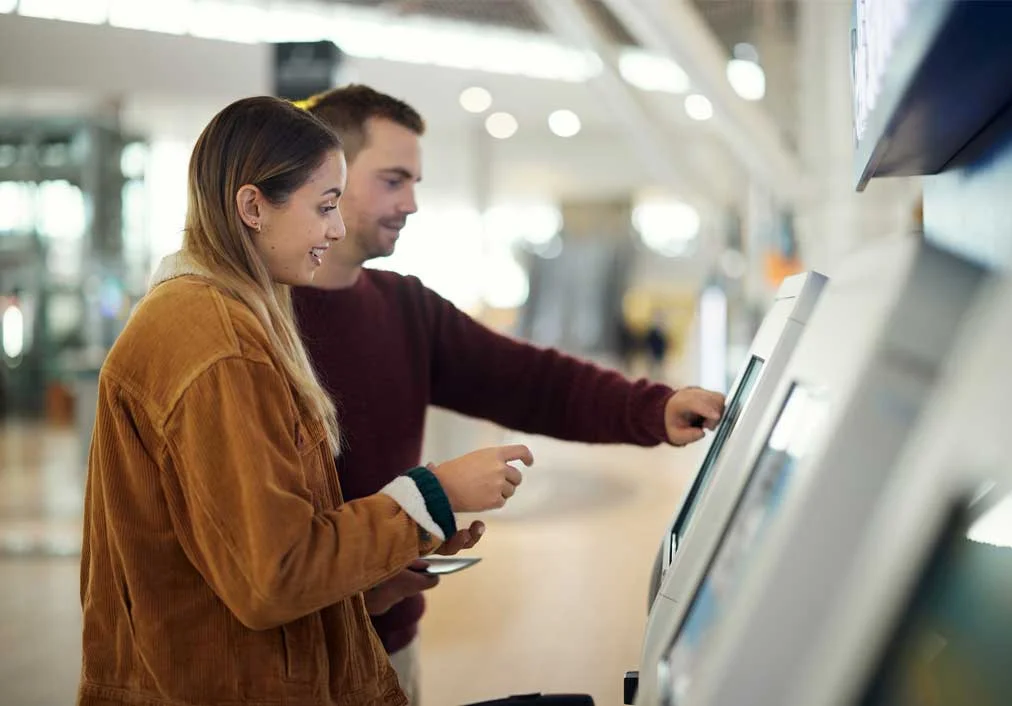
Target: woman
point(220, 565)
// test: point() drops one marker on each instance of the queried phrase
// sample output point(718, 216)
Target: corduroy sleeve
point(247, 518)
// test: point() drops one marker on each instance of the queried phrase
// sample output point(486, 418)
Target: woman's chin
point(302, 278)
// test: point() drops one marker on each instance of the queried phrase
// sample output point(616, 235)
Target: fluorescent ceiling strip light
point(229, 21)
point(367, 34)
point(459, 45)
point(651, 72)
point(94, 12)
point(167, 16)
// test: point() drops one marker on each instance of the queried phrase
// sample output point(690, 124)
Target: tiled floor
point(558, 602)
point(40, 629)
point(41, 480)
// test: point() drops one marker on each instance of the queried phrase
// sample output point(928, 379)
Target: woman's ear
point(249, 201)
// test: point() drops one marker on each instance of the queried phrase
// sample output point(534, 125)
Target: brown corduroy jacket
point(220, 564)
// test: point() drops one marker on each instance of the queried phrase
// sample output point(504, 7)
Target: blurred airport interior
point(629, 181)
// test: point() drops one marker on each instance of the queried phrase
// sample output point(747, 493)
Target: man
point(387, 347)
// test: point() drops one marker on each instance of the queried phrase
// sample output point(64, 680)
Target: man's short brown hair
point(347, 109)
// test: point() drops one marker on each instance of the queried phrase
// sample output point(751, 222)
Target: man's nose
point(410, 204)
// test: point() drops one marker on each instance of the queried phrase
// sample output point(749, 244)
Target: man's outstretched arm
point(481, 373)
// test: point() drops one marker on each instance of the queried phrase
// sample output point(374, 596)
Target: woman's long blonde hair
point(274, 146)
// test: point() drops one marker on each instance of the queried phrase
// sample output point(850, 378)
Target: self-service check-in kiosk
point(853, 391)
point(757, 379)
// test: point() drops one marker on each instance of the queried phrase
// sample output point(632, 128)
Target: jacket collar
point(178, 264)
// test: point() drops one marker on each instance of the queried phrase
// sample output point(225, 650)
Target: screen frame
point(693, 497)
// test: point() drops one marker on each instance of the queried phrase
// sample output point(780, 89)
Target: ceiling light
point(667, 227)
point(652, 72)
point(170, 17)
point(288, 23)
point(564, 123)
point(475, 99)
point(13, 330)
point(747, 79)
point(698, 107)
point(501, 125)
point(451, 44)
point(233, 22)
point(86, 11)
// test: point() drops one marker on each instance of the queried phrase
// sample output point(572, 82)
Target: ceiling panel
point(771, 27)
point(507, 14)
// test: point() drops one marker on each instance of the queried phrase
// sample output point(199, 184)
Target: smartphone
point(447, 564)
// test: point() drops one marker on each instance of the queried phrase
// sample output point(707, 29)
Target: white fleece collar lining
point(178, 264)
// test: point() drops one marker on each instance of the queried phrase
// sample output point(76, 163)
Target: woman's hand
point(482, 480)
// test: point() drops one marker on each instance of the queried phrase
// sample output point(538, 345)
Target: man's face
point(380, 194)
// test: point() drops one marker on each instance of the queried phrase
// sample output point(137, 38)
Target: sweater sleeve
point(481, 373)
point(246, 517)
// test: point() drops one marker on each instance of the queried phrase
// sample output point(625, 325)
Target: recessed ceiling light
point(564, 123)
point(747, 79)
point(698, 107)
point(475, 99)
point(501, 125)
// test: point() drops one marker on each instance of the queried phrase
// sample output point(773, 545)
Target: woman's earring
point(256, 227)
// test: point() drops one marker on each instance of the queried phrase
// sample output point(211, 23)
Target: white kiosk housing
point(757, 380)
point(853, 391)
point(765, 362)
point(926, 610)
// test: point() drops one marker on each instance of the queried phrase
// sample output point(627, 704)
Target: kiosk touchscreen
point(851, 393)
point(774, 472)
point(765, 362)
point(766, 358)
point(925, 617)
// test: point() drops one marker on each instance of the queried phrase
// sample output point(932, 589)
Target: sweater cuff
point(654, 403)
point(421, 496)
point(436, 501)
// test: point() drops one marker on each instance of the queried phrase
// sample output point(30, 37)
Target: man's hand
point(408, 582)
point(689, 412)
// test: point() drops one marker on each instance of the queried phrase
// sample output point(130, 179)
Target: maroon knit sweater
point(388, 347)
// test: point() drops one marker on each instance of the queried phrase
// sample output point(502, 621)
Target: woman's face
point(293, 237)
